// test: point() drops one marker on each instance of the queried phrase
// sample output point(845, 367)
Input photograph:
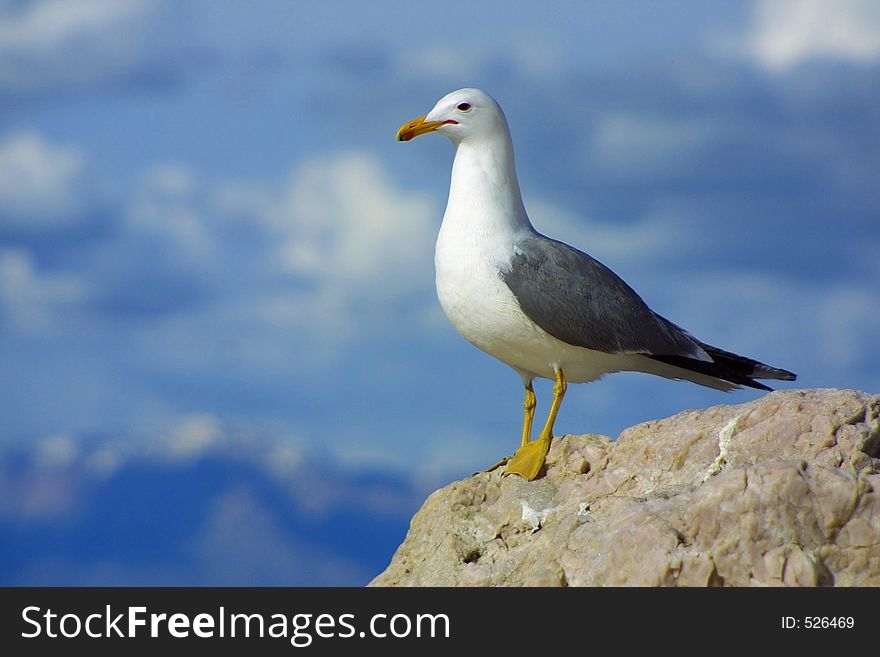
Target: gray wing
point(578, 300)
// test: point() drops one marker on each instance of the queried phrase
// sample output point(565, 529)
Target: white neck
point(484, 196)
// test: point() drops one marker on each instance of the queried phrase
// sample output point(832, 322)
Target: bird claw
point(529, 459)
point(492, 468)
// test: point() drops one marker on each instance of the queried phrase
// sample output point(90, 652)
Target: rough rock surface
point(784, 490)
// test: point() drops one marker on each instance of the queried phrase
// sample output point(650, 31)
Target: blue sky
point(207, 230)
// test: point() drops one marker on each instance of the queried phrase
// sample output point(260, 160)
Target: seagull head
point(466, 114)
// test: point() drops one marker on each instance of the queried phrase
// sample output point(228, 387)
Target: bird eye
point(464, 107)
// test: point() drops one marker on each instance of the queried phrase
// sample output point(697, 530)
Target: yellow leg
point(529, 406)
point(559, 389)
point(529, 458)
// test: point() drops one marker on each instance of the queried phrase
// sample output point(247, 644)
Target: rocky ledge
point(784, 490)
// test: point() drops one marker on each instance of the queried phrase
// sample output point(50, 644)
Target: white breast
point(482, 308)
point(476, 300)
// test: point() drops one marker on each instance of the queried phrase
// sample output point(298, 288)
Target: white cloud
point(104, 462)
point(192, 436)
point(346, 242)
point(166, 209)
point(171, 180)
point(40, 183)
point(784, 33)
point(636, 146)
point(57, 451)
point(32, 300)
point(440, 61)
point(350, 224)
point(57, 42)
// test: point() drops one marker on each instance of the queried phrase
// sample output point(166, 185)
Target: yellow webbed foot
point(529, 459)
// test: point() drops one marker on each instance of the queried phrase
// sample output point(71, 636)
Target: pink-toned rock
point(782, 491)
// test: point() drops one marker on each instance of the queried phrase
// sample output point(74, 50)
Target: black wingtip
point(730, 367)
point(748, 367)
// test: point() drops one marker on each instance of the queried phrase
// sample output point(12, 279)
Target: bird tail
point(728, 366)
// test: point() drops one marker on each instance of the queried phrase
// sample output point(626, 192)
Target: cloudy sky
point(206, 225)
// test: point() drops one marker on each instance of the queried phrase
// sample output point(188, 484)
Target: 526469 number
point(823, 622)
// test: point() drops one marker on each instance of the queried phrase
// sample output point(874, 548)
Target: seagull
point(541, 306)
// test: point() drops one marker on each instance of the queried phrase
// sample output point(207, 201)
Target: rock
point(784, 490)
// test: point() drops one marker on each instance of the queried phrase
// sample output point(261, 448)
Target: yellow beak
point(418, 127)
